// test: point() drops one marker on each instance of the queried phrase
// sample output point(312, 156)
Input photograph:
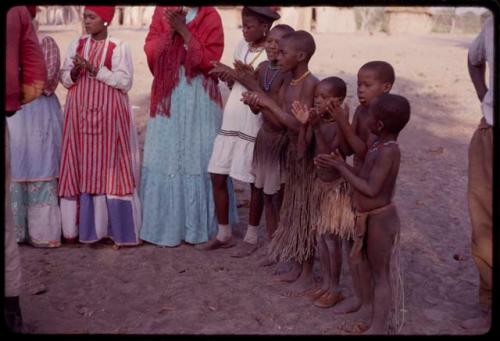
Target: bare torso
point(388, 153)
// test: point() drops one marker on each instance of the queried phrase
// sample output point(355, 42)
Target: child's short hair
point(392, 110)
point(337, 86)
point(384, 70)
point(246, 12)
point(302, 41)
point(283, 28)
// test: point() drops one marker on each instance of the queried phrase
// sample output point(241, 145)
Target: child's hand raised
point(338, 111)
point(301, 112)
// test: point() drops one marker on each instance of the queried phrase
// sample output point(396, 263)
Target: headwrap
point(105, 12)
point(32, 10)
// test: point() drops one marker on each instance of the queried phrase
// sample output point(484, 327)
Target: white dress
point(233, 147)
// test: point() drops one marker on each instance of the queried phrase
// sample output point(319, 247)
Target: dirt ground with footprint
point(153, 290)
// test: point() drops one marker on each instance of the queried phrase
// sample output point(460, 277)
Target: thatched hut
point(335, 19)
point(415, 20)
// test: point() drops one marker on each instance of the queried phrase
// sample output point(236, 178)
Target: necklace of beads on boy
point(300, 79)
point(269, 82)
point(376, 145)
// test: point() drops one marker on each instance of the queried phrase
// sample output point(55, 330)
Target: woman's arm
point(68, 65)
point(122, 70)
point(52, 58)
point(206, 43)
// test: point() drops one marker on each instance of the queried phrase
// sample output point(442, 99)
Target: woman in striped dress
point(99, 151)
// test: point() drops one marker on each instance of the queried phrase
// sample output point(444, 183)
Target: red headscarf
point(105, 12)
point(32, 10)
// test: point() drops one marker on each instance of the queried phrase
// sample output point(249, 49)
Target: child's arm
point(264, 101)
point(371, 186)
point(341, 116)
point(223, 72)
point(247, 76)
point(323, 161)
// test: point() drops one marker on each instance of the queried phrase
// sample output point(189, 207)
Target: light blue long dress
point(176, 191)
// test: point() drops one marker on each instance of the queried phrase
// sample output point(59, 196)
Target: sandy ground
point(153, 290)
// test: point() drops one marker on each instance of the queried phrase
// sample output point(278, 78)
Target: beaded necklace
point(376, 144)
point(301, 78)
point(268, 83)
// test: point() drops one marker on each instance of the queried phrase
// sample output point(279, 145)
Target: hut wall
point(334, 20)
point(413, 23)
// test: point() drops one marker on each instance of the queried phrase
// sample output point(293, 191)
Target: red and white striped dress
point(96, 152)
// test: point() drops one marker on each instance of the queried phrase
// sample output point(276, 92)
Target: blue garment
point(35, 140)
point(176, 191)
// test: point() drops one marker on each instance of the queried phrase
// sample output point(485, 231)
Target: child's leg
point(305, 282)
point(256, 205)
point(272, 214)
point(334, 246)
point(279, 199)
point(332, 295)
point(324, 261)
point(250, 240)
point(271, 208)
point(221, 197)
point(224, 235)
point(381, 234)
point(353, 303)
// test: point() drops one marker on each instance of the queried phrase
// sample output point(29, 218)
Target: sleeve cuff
point(103, 74)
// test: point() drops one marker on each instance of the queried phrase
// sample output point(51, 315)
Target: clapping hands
point(222, 71)
point(79, 64)
point(337, 111)
point(177, 19)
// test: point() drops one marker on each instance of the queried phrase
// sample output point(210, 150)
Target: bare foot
point(483, 321)
point(245, 249)
point(303, 285)
point(350, 305)
point(329, 299)
point(215, 243)
point(315, 293)
point(360, 327)
point(364, 313)
point(288, 276)
point(266, 261)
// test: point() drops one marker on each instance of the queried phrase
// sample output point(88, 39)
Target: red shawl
point(166, 54)
point(25, 71)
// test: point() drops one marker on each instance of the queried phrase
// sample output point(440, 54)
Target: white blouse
point(122, 69)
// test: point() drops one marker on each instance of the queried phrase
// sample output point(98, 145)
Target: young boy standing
point(375, 78)
point(294, 238)
point(331, 206)
point(377, 221)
